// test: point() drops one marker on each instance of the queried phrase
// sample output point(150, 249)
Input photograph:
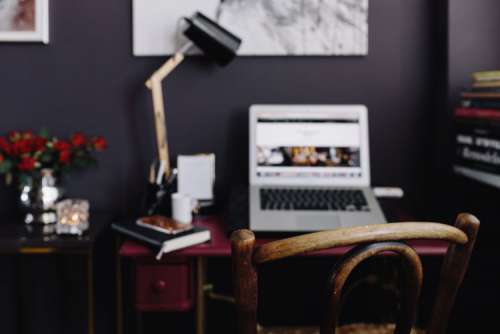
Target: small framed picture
point(24, 21)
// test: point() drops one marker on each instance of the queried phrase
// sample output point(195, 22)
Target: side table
point(16, 238)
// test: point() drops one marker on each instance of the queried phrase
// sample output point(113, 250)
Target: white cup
point(182, 208)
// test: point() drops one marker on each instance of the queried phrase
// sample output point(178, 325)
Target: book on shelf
point(477, 144)
point(482, 76)
point(476, 114)
point(160, 241)
point(486, 84)
point(481, 103)
point(480, 95)
point(484, 89)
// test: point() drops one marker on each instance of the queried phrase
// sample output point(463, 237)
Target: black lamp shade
point(215, 41)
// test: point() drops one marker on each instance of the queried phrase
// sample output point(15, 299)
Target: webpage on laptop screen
point(308, 147)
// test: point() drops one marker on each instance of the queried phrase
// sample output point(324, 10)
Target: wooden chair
point(369, 241)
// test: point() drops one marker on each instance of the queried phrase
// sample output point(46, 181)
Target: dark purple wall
point(86, 79)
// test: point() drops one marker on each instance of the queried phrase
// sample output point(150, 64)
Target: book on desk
point(162, 242)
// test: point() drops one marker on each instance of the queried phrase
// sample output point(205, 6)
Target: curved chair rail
point(355, 235)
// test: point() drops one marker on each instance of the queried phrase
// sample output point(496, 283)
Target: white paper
point(196, 175)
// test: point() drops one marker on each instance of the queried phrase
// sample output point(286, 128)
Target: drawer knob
point(159, 285)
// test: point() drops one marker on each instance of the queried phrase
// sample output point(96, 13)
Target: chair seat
point(346, 329)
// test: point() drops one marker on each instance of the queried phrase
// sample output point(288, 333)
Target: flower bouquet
point(36, 162)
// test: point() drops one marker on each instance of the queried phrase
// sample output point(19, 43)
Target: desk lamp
point(217, 43)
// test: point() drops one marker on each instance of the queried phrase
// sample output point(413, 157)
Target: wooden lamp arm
point(154, 83)
point(165, 69)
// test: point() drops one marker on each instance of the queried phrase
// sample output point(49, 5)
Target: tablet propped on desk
point(161, 242)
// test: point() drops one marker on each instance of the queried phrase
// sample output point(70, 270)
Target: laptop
point(310, 168)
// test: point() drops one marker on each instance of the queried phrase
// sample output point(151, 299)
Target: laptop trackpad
point(317, 222)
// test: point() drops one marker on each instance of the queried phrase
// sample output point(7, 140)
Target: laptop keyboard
point(313, 199)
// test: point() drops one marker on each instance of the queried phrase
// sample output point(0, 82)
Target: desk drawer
point(164, 286)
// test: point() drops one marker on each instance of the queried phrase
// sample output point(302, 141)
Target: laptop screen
point(309, 146)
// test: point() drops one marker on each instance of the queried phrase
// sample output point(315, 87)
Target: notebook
point(162, 242)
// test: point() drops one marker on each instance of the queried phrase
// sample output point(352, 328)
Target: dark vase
point(38, 194)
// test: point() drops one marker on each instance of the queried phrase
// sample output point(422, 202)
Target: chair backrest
point(369, 241)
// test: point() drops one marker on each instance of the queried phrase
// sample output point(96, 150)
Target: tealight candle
point(72, 216)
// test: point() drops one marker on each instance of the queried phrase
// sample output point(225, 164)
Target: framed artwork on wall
point(24, 21)
point(267, 27)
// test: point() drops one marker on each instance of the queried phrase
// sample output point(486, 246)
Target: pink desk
point(164, 285)
point(220, 246)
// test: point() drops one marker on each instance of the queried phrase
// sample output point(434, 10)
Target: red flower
point(99, 143)
point(64, 156)
point(39, 144)
point(29, 151)
point(27, 164)
point(14, 135)
point(78, 139)
point(62, 145)
point(28, 134)
point(5, 146)
point(21, 146)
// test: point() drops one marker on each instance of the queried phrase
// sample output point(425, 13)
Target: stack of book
point(477, 121)
point(485, 91)
point(162, 234)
